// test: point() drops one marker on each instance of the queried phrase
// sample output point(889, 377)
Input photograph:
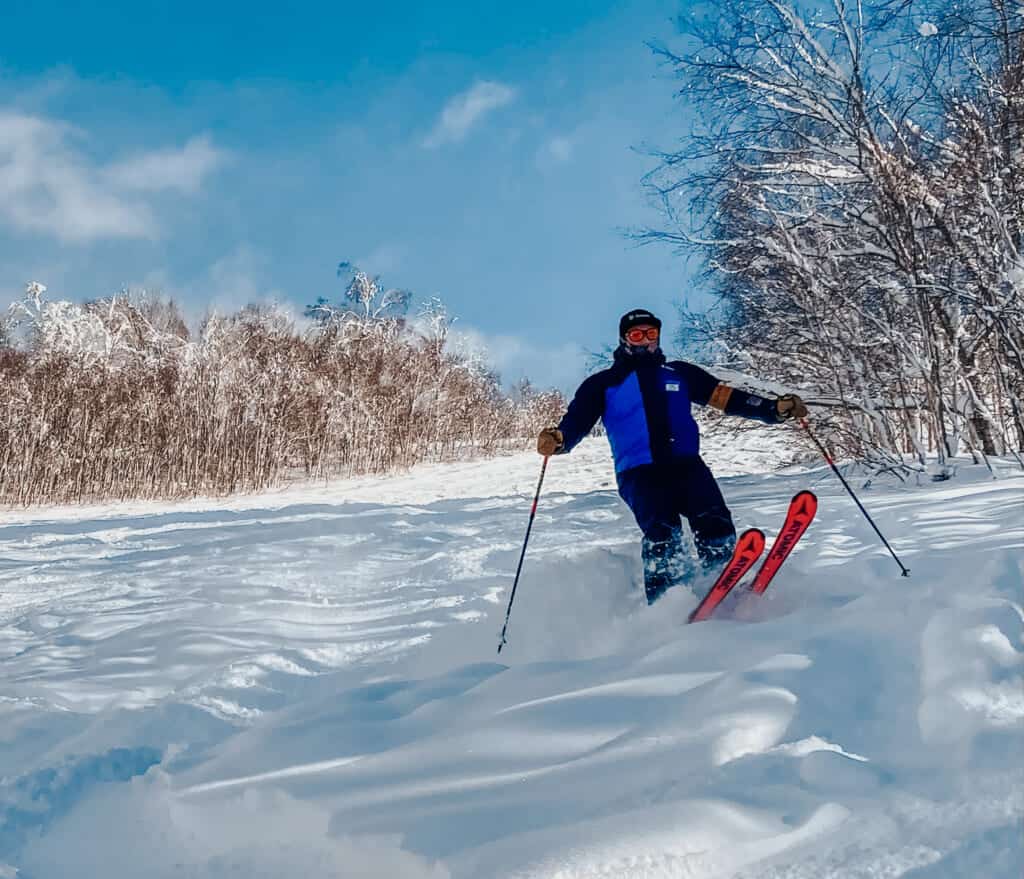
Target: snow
point(305, 683)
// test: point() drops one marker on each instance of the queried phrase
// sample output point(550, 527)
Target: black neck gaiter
point(646, 366)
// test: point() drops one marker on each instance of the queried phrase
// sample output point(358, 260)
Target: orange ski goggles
point(639, 335)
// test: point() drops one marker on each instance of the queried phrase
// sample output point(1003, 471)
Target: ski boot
point(714, 554)
point(667, 563)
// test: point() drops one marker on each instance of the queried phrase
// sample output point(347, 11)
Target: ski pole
point(522, 555)
point(803, 423)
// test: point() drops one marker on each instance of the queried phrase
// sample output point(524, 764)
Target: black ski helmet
point(633, 319)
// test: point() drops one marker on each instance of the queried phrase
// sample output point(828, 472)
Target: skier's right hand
point(550, 441)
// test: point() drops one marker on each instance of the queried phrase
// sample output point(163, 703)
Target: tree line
point(119, 398)
point(854, 186)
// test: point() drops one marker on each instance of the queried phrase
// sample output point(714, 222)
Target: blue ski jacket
point(645, 405)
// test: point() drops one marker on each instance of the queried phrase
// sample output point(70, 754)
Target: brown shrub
point(117, 399)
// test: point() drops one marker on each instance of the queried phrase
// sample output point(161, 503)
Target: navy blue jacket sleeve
point(701, 384)
point(584, 410)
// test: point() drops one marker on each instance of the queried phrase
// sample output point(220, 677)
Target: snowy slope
point(305, 683)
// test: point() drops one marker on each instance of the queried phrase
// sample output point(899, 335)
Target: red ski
point(748, 550)
point(801, 511)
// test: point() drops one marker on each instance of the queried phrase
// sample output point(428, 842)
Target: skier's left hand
point(790, 406)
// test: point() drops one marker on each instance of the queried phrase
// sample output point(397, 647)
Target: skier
point(645, 403)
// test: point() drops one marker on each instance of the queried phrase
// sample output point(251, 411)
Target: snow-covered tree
point(856, 196)
point(120, 398)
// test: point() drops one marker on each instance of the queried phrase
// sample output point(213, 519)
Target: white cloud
point(49, 187)
point(927, 29)
point(560, 148)
point(382, 259)
point(181, 169)
point(466, 109)
point(239, 277)
point(237, 280)
point(559, 366)
point(45, 186)
point(554, 152)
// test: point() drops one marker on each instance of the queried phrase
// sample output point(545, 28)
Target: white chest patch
point(672, 386)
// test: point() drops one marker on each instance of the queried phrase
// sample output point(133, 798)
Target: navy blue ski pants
point(659, 494)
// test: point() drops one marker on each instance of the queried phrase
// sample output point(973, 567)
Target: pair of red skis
point(748, 550)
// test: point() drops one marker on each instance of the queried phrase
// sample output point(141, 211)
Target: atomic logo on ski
point(748, 550)
point(801, 511)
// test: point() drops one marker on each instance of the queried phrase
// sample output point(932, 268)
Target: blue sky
point(228, 152)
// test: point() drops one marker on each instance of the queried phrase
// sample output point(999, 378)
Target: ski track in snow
point(305, 683)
